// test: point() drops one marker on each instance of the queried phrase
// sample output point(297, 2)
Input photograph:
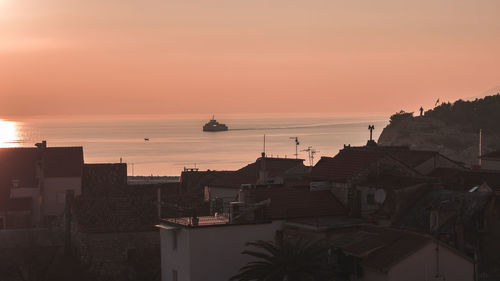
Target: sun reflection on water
point(9, 135)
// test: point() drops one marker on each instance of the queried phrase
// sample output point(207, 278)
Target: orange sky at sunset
point(60, 57)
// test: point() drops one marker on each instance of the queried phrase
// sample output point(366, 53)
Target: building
point(423, 161)
point(265, 171)
point(365, 252)
point(113, 227)
point(116, 237)
point(364, 179)
point(208, 248)
point(491, 161)
point(34, 181)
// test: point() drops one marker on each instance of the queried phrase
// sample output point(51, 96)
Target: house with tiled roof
point(390, 254)
point(364, 179)
point(423, 161)
point(360, 251)
point(265, 171)
point(33, 183)
point(466, 220)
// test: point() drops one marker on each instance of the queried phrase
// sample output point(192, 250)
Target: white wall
point(211, 253)
point(175, 259)
point(54, 187)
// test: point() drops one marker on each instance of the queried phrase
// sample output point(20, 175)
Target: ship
point(214, 126)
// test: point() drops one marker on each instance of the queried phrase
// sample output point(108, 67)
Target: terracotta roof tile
point(345, 165)
point(381, 248)
point(250, 173)
point(296, 203)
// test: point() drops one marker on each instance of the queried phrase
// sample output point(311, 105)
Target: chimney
point(41, 145)
point(263, 171)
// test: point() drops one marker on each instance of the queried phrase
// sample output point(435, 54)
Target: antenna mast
point(264, 149)
point(296, 146)
point(311, 152)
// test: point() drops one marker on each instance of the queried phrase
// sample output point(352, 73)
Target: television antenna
point(311, 152)
point(296, 146)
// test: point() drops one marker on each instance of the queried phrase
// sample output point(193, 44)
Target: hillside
point(451, 128)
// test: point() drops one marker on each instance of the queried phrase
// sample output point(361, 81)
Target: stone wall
point(120, 255)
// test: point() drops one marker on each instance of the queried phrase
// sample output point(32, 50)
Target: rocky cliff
point(450, 128)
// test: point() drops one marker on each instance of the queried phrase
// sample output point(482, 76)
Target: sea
point(166, 145)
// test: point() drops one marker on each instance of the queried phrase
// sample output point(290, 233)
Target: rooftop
point(288, 203)
point(451, 205)
point(325, 223)
point(18, 166)
point(201, 221)
point(346, 164)
point(381, 248)
point(250, 173)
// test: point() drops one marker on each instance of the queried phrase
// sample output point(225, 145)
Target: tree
point(290, 260)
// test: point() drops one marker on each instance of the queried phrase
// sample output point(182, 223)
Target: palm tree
point(290, 260)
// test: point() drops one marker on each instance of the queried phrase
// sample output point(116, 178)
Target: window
point(174, 275)
point(174, 240)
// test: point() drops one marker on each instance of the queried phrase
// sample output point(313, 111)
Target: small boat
point(214, 126)
point(146, 139)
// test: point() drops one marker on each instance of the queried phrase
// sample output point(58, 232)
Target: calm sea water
point(178, 142)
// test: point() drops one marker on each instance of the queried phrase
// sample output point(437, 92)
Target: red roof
point(250, 173)
point(381, 248)
point(64, 162)
point(345, 165)
point(287, 203)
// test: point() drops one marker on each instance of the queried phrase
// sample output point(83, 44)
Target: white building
point(209, 248)
point(210, 251)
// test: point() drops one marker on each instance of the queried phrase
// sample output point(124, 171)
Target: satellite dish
point(380, 196)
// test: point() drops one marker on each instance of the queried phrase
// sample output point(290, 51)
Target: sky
point(68, 57)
